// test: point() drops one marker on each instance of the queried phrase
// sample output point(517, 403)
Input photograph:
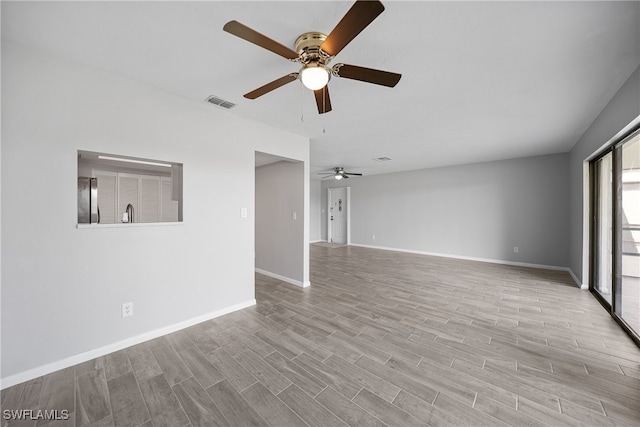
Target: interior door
point(338, 215)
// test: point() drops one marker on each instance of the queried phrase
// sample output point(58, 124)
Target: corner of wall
point(575, 279)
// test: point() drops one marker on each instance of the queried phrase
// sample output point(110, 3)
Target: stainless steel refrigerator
point(88, 200)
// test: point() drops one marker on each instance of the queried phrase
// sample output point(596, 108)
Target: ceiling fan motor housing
point(308, 46)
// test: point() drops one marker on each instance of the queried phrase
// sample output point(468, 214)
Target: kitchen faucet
point(130, 212)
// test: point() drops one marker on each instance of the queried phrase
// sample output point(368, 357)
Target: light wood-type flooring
point(380, 338)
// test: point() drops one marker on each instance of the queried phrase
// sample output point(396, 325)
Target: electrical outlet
point(373, 237)
point(127, 309)
point(516, 249)
point(294, 216)
point(243, 212)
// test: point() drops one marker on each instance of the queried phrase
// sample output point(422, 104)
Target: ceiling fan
point(338, 173)
point(315, 50)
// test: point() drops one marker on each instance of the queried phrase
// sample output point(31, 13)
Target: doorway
point(280, 219)
point(338, 215)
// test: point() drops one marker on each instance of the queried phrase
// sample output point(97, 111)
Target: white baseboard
point(283, 278)
point(575, 279)
point(317, 241)
point(492, 261)
point(101, 351)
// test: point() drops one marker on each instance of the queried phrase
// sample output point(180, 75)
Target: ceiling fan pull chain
point(301, 104)
point(324, 106)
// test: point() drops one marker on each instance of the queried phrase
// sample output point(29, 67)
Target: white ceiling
point(481, 80)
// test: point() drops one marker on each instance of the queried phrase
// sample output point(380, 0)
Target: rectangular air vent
point(221, 102)
point(381, 159)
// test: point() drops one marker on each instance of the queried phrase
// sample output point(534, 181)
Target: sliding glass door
point(629, 305)
point(615, 232)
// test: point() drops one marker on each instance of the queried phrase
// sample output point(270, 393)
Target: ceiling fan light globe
point(314, 77)
point(338, 176)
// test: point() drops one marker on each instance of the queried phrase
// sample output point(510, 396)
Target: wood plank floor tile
point(312, 412)
point(587, 417)
point(392, 350)
point(249, 340)
point(202, 338)
point(263, 371)
point(144, 364)
point(468, 416)
point(116, 364)
point(173, 367)
point(396, 378)
point(334, 346)
point(328, 375)
point(92, 399)
point(233, 371)
point(203, 370)
point(427, 413)
point(389, 414)
point(280, 343)
point(435, 381)
point(233, 406)
point(296, 374)
point(271, 408)
point(163, 405)
point(363, 378)
point(24, 396)
point(58, 393)
point(304, 345)
point(548, 416)
point(507, 415)
point(346, 410)
point(93, 365)
point(179, 340)
point(197, 404)
point(127, 404)
point(509, 384)
point(538, 380)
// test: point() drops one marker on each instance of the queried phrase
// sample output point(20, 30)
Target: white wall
point(623, 108)
point(62, 287)
point(315, 216)
point(479, 211)
point(279, 236)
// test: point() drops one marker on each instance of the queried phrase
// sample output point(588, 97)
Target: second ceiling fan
point(315, 50)
point(339, 173)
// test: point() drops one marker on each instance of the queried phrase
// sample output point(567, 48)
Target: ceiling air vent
point(381, 159)
point(221, 102)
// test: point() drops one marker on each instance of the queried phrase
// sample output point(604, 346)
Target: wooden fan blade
point(369, 75)
point(361, 14)
point(251, 35)
point(271, 86)
point(354, 174)
point(322, 100)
